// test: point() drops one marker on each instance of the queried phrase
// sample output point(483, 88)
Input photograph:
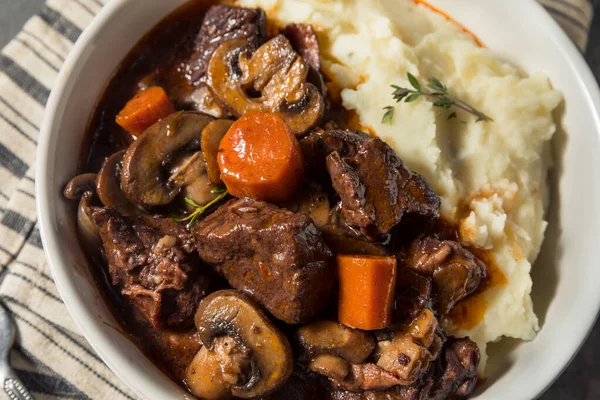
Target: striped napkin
point(52, 358)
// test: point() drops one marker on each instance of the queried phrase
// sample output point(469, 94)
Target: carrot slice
point(449, 18)
point(259, 157)
point(144, 110)
point(366, 291)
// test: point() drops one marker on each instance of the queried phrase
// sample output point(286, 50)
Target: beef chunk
point(148, 261)
point(222, 23)
point(345, 241)
point(412, 295)
point(455, 374)
point(395, 393)
point(275, 256)
point(303, 39)
point(455, 271)
point(375, 188)
point(169, 227)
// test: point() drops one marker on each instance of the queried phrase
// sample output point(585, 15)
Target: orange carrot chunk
point(259, 157)
point(144, 110)
point(366, 291)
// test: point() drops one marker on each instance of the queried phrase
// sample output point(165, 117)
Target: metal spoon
point(13, 387)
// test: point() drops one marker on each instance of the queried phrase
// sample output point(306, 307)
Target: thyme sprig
point(435, 91)
point(200, 209)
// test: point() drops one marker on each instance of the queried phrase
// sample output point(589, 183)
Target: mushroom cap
point(108, 186)
point(204, 377)
point(330, 337)
point(144, 178)
point(78, 186)
point(231, 313)
point(236, 74)
point(211, 139)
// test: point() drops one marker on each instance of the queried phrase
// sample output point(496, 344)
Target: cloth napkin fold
point(52, 358)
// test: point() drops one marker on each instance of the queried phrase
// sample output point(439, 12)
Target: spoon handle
point(15, 389)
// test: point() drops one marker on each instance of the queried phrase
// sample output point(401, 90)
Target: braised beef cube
point(455, 375)
point(275, 256)
point(303, 39)
point(395, 393)
point(168, 226)
point(344, 241)
point(452, 376)
point(148, 262)
point(455, 271)
point(222, 23)
point(412, 295)
point(375, 187)
point(319, 144)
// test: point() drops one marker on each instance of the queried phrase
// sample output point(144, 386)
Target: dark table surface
point(581, 381)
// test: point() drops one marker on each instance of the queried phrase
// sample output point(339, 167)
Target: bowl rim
point(43, 190)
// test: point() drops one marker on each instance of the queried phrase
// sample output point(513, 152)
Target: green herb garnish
point(193, 217)
point(218, 190)
point(389, 115)
point(437, 93)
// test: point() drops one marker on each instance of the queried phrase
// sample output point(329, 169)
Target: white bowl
point(566, 295)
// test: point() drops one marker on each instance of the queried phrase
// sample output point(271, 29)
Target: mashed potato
point(491, 176)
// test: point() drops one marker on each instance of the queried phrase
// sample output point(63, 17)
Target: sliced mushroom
point(329, 337)
point(271, 79)
point(228, 313)
point(82, 188)
point(313, 201)
point(189, 172)
point(330, 366)
point(211, 138)
point(146, 163)
point(205, 378)
point(77, 186)
point(108, 186)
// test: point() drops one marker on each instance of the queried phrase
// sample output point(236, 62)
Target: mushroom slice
point(228, 313)
point(272, 79)
point(79, 185)
point(211, 139)
point(329, 337)
point(82, 188)
point(313, 201)
point(190, 173)
point(204, 377)
point(330, 366)
point(145, 172)
point(108, 186)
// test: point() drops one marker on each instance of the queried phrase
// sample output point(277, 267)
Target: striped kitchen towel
point(51, 356)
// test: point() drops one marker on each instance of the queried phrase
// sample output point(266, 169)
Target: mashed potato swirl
point(491, 176)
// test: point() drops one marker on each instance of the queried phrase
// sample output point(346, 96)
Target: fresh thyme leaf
point(439, 96)
point(437, 85)
point(177, 218)
point(218, 190)
point(388, 116)
point(191, 202)
point(413, 97)
point(414, 82)
point(451, 116)
point(193, 217)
